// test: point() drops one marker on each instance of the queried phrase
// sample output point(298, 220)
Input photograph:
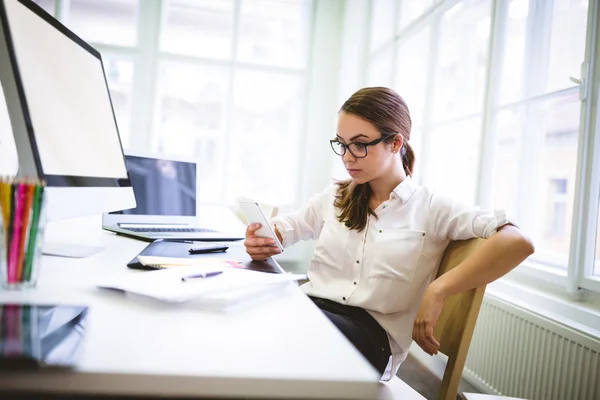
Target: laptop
point(167, 206)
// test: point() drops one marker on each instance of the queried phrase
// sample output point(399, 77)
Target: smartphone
point(254, 215)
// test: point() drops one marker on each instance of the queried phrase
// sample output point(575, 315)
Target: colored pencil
point(29, 193)
point(35, 220)
point(17, 222)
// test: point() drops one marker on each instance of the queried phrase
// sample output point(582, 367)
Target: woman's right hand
point(259, 248)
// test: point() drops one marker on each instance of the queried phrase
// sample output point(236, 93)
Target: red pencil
point(29, 192)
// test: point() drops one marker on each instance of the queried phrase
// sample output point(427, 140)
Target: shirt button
point(354, 283)
point(358, 262)
point(343, 298)
point(380, 231)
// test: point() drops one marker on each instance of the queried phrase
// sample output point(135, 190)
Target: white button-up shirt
point(386, 268)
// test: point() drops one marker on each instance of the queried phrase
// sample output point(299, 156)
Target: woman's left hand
point(431, 307)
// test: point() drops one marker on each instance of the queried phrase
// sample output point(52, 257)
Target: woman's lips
point(353, 172)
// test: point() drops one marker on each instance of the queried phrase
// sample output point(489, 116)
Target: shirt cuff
point(499, 220)
point(284, 228)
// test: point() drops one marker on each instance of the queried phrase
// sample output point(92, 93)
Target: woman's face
point(379, 159)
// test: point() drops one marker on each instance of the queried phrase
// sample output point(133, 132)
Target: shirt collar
point(405, 189)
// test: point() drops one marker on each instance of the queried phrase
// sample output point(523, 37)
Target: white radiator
point(521, 354)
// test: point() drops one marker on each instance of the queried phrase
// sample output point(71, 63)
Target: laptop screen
point(162, 187)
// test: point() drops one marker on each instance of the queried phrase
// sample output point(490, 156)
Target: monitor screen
point(67, 98)
point(162, 187)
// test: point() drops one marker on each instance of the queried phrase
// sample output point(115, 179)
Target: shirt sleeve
point(452, 220)
point(306, 223)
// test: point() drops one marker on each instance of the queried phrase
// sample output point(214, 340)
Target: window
point(190, 118)
point(410, 10)
point(500, 115)
point(461, 60)
point(119, 74)
point(266, 120)
point(383, 13)
point(274, 32)
point(597, 258)
point(453, 158)
point(221, 82)
point(557, 209)
point(537, 142)
point(412, 65)
point(103, 21)
point(202, 28)
point(381, 69)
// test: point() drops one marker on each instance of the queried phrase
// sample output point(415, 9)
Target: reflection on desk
point(40, 336)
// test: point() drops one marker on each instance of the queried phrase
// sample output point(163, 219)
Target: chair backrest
point(456, 323)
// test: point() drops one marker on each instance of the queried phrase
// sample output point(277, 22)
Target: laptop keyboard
point(160, 230)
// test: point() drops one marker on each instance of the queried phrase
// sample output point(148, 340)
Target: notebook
point(235, 256)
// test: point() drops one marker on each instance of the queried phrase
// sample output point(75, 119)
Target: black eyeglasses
point(357, 149)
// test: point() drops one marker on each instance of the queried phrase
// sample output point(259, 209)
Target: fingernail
point(272, 241)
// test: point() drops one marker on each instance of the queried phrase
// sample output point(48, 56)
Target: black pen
point(202, 275)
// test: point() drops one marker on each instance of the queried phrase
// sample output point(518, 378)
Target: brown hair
point(388, 111)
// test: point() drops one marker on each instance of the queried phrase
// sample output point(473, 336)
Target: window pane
point(538, 145)
point(597, 263)
point(509, 128)
point(191, 109)
point(453, 159)
point(461, 66)
point(198, 27)
point(412, 63)
point(513, 56)
point(380, 69)
point(263, 150)
point(104, 21)
point(567, 43)
point(47, 5)
point(274, 32)
point(382, 22)
point(119, 74)
point(410, 10)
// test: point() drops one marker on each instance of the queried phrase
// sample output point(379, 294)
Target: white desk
point(285, 348)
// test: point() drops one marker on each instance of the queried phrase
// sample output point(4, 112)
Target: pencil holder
point(21, 233)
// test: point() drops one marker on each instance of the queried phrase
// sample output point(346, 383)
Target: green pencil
point(35, 219)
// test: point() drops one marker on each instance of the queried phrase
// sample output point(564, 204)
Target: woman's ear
point(397, 144)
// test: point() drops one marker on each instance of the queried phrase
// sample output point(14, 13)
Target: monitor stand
point(70, 250)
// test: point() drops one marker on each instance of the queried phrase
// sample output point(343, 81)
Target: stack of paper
point(230, 285)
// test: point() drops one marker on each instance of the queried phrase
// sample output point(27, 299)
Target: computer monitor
point(61, 114)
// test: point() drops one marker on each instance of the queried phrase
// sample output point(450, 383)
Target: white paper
point(232, 285)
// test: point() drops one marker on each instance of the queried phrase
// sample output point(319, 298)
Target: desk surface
point(283, 347)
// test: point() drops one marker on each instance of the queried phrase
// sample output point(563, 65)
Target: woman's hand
point(429, 312)
point(259, 248)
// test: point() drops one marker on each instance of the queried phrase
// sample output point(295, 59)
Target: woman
point(380, 237)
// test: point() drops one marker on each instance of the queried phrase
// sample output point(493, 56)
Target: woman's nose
point(348, 156)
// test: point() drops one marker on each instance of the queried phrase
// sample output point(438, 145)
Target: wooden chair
point(455, 326)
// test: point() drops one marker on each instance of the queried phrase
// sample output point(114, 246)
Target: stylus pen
point(204, 275)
